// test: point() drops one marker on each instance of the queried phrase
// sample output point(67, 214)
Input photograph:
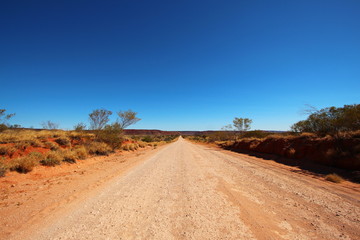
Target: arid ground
point(178, 191)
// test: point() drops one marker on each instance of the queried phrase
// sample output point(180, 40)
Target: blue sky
point(182, 65)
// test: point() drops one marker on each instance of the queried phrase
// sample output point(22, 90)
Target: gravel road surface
point(191, 191)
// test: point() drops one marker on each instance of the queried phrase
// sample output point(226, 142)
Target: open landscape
point(180, 120)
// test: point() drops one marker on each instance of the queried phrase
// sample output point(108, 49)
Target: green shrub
point(111, 135)
point(147, 139)
point(331, 120)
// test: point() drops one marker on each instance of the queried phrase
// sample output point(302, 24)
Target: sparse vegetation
point(4, 118)
point(98, 148)
point(52, 159)
point(25, 164)
point(334, 178)
point(3, 169)
point(49, 125)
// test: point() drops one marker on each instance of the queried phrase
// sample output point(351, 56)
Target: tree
point(49, 125)
point(4, 118)
point(331, 120)
point(242, 124)
point(80, 127)
point(99, 118)
point(127, 118)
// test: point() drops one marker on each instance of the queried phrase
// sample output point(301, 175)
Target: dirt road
point(189, 191)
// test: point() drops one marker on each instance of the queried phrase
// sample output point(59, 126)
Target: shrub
point(35, 143)
point(126, 147)
point(331, 120)
point(7, 150)
point(51, 145)
point(69, 156)
point(63, 141)
point(3, 169)
point(147, 139)
point(142, 145)
point(80, 152)
point(334, 178)
point(98, 148)
point(22, 145)
point(25, 164)
point(111, 135)
point(53, 158)
point(131, 147)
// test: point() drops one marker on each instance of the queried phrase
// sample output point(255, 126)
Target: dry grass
point(52, 159)
point(7, 150)
point(69, 156)
point(3, 169)
point(98, 148)
point(51, 145)
point(334, 178)
point(63, 141)
point(80, 152)
point(27, 163)
point(19, 135)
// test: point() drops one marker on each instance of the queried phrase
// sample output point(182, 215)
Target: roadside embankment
point(341, 152)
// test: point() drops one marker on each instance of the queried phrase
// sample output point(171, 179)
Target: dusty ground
point(180, 191)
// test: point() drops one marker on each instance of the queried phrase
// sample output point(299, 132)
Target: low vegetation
point(334, 178)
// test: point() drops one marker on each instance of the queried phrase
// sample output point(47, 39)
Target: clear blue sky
point(182, 65)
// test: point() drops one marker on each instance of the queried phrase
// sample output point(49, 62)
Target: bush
point(80, 152)
point(147, 139)
point(111, 135)
point(142, 145)
point(334, 178)
point(25, 164)
point(69, 156)
point(63, 141)
point(331, 120)
point(3, 169)
point(51, 145)
point(52, 159)
point(7, 150)
point(35, 143)
point(98, 148)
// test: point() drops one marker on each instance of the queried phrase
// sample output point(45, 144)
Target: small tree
point(99, 118)
point(127, 118)
point(3, 119)
point(49, 125)
point(242, 124)
point(80, 127)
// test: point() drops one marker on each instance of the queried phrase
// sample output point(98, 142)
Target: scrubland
point(22, 150)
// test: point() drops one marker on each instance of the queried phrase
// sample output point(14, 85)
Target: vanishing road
point(190, 191)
